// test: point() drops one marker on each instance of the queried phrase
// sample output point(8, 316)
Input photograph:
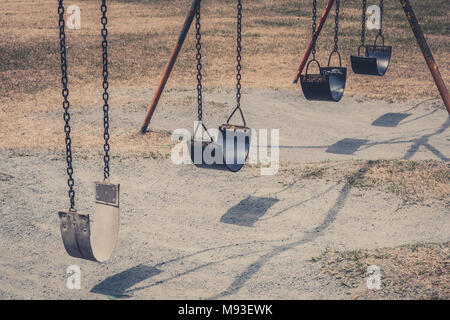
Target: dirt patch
point(417, 271)
point(182, 226)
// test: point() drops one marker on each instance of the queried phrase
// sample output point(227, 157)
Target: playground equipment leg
point(169, 66)
point(426, 53)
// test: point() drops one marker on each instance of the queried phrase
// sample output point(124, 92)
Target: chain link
point(380, 31)
point(238, 65)
point(336, 27)
point(363, 21)
point(106, 147)
point(199, 63)
point(239, 56)
point(198, 46)
point(314, 27)
point(66, 104)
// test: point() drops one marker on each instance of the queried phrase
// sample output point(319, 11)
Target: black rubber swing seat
point(328, 85)
point(230, 152)
point(205, 154)
point(374, 63)
point(235, 143)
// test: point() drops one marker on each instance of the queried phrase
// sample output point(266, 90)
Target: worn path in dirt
point(187, 233)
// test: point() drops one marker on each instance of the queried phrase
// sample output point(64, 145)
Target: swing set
point(376, 58)
point(93, 237)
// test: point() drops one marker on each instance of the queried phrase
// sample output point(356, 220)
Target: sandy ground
point(188, 233)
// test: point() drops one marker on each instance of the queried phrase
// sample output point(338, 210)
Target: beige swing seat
point(93, 237)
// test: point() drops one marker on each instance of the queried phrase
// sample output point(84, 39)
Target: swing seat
point(235, 143)
point(93, 237)
point(375, 63)
point(329, 85)
point(204, 154)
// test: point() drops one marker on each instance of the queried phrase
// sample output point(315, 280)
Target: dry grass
point(142, 34)
point(413, 182)
point(418, 271)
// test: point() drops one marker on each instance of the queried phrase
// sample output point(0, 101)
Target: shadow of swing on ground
point(247, 212)
point(242, 278)
point(390, 120)
point(118, 284)
point(346, 146)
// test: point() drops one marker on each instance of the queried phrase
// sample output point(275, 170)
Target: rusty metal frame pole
point(426, 53)
point(318, 29)
point(169, 66)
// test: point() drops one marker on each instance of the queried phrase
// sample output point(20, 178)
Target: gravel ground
point(188, 233)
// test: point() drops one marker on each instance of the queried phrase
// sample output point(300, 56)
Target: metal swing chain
point(336, 28)
point(199, 63)
point(380, 32)
point(106, 147)
point(336, 35)
point(363, 26)
point(66, 104)
point(198, 45)
point(314, 27)
point(239, 58)
point(239, 65)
